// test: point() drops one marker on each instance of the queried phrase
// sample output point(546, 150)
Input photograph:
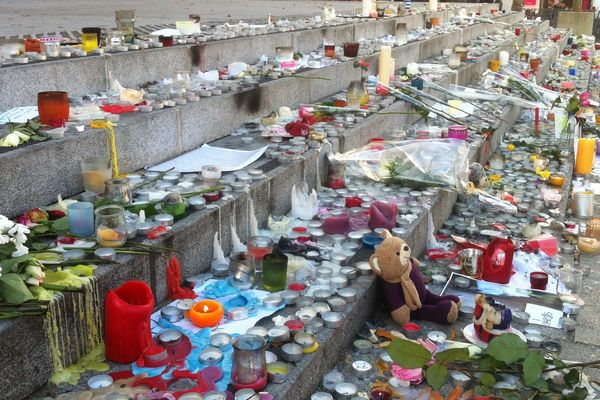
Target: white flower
point(33, 282)
point(4, 239)
point(35, 272)
point(19, 232)
point(5, 223)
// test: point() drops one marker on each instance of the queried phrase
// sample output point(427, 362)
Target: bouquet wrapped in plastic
point(414, 163)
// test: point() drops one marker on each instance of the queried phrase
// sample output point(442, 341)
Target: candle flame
point(205, 308)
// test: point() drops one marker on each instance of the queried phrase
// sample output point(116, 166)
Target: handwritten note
point(545, 316)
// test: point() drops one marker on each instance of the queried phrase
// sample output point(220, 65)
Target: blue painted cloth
point(219, 288)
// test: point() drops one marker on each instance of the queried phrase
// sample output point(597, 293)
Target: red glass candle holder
point(53, 108)
point(33, 45)
point(330, 50)
point(538, 280)
point(517, 31)
point(167, 41)
point(351, 49)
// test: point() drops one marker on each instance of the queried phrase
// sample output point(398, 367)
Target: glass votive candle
point(454, 61)
point(111, 226)
point(211, 174)
point(351, 49)
point(33, 45)
point(95, 170)
point(53, 108)
point(275, 272)
point(167, 41)
point(51, 48)
point(81, 218)
point(90, 39)
point(329, 50)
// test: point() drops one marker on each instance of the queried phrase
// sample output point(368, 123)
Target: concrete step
point(192, 236)
point(43, 170)
point(83, 75)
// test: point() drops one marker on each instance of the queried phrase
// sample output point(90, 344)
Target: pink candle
point(337, 222)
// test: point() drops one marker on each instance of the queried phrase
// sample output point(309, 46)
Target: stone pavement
point(37, 16)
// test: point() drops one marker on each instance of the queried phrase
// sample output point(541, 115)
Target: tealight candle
point(99, 381)
point(292, 352)
point(459, 378)
point(361, 368)
point(345, 391)
point(278, 371)
point(220, 340)
point(321, 396)
point(349, 294)
point(295, 326)
point(206, 313)
point(279, 334)
point(305, 339)
point(437, 337)
point(411, 330)
point(258, 331)
point(211, 356)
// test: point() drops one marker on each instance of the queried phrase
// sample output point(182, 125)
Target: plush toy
point(490, 319)
point(404, 289)
point(478, 176)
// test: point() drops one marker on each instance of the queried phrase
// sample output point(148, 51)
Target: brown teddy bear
point(404, 289)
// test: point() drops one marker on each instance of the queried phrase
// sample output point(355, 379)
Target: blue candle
point(81, 218)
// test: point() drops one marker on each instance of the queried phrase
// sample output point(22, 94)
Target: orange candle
point(206, 313)
point(557, 180)
point(586, 152)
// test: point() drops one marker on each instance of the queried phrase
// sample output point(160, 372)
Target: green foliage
point(487, 379)
point(408, 354)
point(572, 377)
point(508, 348)
point(436, 375)
point(533, 367)
point(458, 354)
point(13, 290)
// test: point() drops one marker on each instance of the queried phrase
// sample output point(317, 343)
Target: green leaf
point(13, 290)
point(540, 385)
point(572, 377)
point(408, 354)
point(508, 348)
point(487, 379)
point(39, 246)
point(35, 125)
point(580, 393)
point(533, 367)
point(482, 390)
point(38, 138)
point(453, 355)
point(60, 225)
point(487, 363)
point(436, 375)
point(39, 229)
point(11, 264)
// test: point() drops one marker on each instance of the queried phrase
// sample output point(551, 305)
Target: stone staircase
point(42, 171)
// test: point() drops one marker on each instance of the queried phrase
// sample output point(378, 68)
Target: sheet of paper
point(18, 115)
point(227, 159)
point(545, 316)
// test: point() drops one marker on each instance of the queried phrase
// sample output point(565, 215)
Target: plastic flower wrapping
point(414, 163)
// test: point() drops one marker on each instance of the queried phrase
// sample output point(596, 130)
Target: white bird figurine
point(304, 205)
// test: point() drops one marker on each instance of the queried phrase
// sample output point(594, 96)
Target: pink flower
point(305, 111)
point(37, 215)
point(24, 220)
point(406, 375)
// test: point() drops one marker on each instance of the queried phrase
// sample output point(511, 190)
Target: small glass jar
point(336, 222)
point(118, 190)
point(356, 95)
point(125, 20)
point(51, 48)
point(111, 226)
point(249, 365)
point(114, 38)
point(351, 49)
point(53, 108)
point(275, 272)
point(177, 91)
point(454, 61)
point(90, 38)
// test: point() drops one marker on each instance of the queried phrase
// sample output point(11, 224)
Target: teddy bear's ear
point(385, 234)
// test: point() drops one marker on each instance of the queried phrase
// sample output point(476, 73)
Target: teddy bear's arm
point(374, 264)
point(401, 315)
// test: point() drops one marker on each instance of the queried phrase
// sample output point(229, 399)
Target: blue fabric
point(219, 288)
point(245, 299)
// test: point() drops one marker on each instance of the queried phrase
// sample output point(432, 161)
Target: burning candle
point(206, 313)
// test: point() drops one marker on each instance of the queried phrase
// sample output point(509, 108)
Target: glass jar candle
point(458, 132)
point(359, 218)
point(33, 45)
point(90, 38)
point(356, 95)
point(275, 272)
point(81, 218)
point(211, 175)
point(114, 38)
point(454, 61)
point(95, 171)
point(249, 366)
point(329, 50)
point(53, 108)
point(241, 273)
point(351, 49)
point(167, 41)
point(118, 190)
point(125, 20)
point(111, 226)
point(336, 222)
point(51, 47)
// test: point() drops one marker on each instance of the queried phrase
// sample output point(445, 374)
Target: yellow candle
point(586, 152)
point(385, 64)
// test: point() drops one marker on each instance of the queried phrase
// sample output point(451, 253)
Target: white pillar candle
point(366, 8)
point(503, 56)
point(412, 69)
point(385, 64)
point(433, 5)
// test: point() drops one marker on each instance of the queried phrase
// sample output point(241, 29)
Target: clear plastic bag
point(414, 163)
